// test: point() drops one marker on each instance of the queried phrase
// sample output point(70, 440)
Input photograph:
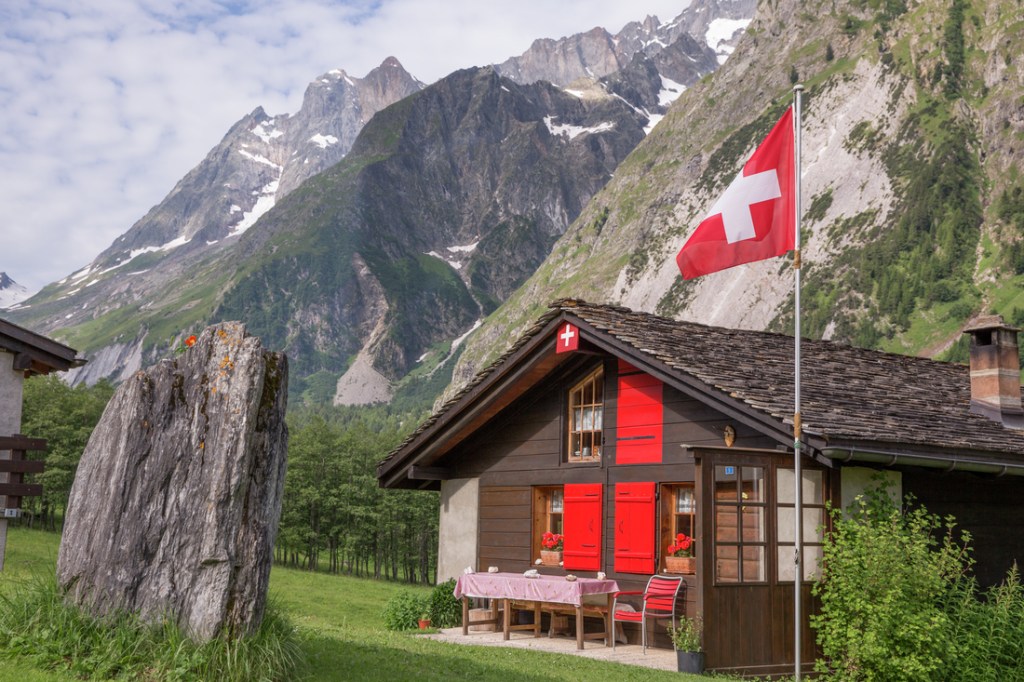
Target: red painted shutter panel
point(582, 520)
point(634, 527)
point(640, 417)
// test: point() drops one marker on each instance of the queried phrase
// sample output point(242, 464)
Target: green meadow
point(340, 631)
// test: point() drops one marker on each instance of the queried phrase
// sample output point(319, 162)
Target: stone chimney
point(995, 371)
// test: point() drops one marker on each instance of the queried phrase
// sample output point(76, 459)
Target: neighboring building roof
point(35, 353)
point(849, 396)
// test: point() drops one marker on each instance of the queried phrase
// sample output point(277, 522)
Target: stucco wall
point(855, 480)
point(458, 526)
point(10, 423)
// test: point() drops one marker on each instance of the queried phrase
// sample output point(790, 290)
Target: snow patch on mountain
point(266, 131)
point(264, 202)
point(720, 31)
point(323, 141)
point(670, 91)
point(11, 293)
point(572, 132)
point(652, 121)
point(259, 158)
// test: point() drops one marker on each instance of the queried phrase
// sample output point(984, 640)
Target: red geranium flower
point(681, 547)
point(551, 541)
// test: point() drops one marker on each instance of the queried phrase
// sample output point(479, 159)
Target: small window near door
point(740, 513)
point(813, 503)
point(548, 509)
point(586, 418)
point(678, 515)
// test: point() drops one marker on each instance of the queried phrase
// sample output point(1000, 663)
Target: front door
point(749, 526)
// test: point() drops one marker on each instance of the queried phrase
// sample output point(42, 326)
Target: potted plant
point(679, 557)
point(551, 548)
point(686, 640)
point(424, 621)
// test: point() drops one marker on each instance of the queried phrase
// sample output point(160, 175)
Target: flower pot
point(690, 661)
point(681, 564)
point(424, 623)
point(550, 558)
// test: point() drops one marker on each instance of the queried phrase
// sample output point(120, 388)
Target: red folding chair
point(660, 599)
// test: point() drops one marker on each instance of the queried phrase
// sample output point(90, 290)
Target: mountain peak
point(11, 292)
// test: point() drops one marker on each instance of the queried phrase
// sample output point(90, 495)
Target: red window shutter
point(582, 519)
point(640, 417)
point(634, 527)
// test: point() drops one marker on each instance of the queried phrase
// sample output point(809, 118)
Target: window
point(740, 510)
point(586, 417)
point(548, 510)
point(678, 514)
point(812, 525)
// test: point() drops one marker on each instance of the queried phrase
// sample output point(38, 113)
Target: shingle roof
point(848, 394)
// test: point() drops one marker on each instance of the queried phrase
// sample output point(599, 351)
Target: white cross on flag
point(755, 218)
point(568, 338)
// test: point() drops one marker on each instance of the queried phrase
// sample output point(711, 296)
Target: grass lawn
point(343, 636)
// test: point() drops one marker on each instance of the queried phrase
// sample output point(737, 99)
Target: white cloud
point(108, 103)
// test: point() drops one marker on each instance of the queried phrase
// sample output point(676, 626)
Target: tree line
point(334, 516)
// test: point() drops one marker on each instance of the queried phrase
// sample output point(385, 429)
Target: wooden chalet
point(620, 429)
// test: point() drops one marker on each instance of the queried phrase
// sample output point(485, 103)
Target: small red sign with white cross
point(568, 338)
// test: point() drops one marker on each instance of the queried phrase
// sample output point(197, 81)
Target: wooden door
point(747, 559)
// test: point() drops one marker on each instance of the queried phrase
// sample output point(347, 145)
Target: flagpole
point(799, 548)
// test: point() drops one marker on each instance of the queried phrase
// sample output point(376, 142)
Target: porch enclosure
point(747, 519)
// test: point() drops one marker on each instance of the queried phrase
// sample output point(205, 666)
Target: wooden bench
point(560, 611)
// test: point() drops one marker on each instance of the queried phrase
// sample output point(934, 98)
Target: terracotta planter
point(549, 558)
point(681, 564)
point(424, 623)
point(689, 661)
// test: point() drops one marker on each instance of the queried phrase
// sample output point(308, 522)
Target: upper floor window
point(586, 418)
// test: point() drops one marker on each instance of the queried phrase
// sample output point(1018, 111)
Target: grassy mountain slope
point(912, 149)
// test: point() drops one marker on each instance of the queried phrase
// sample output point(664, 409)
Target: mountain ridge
point(918, 110)
point(197, 255)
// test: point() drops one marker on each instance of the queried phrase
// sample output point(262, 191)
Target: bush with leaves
point(988, 633)
point(403, 611)
point(887, 576)
point(445, 610)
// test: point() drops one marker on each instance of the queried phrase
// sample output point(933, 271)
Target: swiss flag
point(568, 338)
point(754, 219)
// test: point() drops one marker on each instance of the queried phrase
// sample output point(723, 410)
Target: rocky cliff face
point(710, 26)
point(912, 199)
point(439, 211)
point(259, 162)
point(447, 202)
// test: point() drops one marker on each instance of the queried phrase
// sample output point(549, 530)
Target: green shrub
point(887, 576)
point(35, 623)
point(988, 633)
point(404, 610)
point(445, 610)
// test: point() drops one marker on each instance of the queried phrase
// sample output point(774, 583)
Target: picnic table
point(540, 590)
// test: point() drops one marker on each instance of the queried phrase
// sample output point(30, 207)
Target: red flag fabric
point(754, 219)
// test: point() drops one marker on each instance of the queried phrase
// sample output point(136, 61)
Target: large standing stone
point(177, 498)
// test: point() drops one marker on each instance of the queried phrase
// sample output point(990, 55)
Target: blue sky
point(108, 103)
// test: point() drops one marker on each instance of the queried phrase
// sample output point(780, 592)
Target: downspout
point(888, 459)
